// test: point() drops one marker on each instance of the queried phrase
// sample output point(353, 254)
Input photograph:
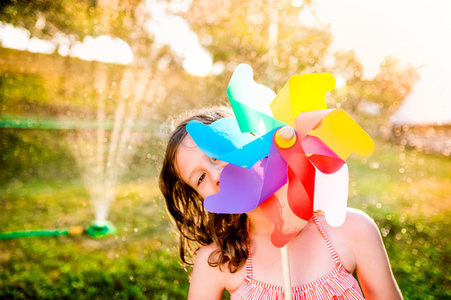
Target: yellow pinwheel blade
point(300, 93)
point(343, 135)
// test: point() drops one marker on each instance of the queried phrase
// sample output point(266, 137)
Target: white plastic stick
point(286, 272)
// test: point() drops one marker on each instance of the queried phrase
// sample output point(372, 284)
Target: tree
point(243, 32)
point(347, 67)
point(392, 84)
point(268, 35)
point(44, 18)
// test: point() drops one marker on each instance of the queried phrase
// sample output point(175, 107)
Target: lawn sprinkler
point(100, 229)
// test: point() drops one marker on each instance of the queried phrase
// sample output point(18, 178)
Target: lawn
point(405, 191)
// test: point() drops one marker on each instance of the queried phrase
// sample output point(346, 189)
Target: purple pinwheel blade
point(239, 190)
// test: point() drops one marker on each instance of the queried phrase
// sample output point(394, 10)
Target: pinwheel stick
point(286, 272)
point(286, 138)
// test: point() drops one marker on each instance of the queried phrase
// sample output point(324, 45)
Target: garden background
point(82, 135)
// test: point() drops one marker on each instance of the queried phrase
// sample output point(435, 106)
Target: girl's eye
point(201, 178)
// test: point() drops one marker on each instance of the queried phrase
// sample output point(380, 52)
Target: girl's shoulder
point(207, 254)
point(358, 223)
point(206, 281)
point(350, 239)
point(215, 276)
point(358, 227)
point(203, 255)
point(355, 221)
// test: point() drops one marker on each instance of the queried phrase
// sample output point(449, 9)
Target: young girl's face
point(197, 169)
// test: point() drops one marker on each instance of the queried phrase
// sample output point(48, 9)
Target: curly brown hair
point(228, 231)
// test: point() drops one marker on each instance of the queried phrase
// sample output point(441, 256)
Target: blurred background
point(88, 89)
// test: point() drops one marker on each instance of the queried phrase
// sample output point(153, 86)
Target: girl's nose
point(218, 166)
point(220, 163)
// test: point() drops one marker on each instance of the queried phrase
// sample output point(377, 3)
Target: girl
point(234, 252)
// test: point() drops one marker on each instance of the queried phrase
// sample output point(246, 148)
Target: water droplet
point(374, 165)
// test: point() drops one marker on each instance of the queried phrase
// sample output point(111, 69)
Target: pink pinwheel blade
point(326, 160)
point(286, 224)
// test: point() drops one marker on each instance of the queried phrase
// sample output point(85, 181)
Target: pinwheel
point(310, 158)
point(299, 142)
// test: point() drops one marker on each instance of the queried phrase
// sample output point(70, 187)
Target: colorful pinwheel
point(299, 142)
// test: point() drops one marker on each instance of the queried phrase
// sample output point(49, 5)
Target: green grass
point(405, 191)
point(139, 262)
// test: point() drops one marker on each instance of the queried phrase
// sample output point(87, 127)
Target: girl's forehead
point(188, 142)
point(187, 157)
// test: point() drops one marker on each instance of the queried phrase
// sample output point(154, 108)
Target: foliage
point(373, 99)
point(55, 15)
point(235, 31)
point(270, 37)
point(34, 153)
point(45, 19)
point(392, 84)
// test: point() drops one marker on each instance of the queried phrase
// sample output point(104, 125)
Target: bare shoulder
point(371, 260)
point(361, 233)
point(207, 282)
point(360, 225)
point(356, 222)
point(205, 251)
point(356, 218)
point(355, 238)
point(357, 230)
point(201, 263)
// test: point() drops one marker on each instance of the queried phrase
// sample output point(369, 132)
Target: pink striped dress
point(336, 285)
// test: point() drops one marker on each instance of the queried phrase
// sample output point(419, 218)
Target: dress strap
point(249, 258)
point(329, 245)
point(249, 267)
